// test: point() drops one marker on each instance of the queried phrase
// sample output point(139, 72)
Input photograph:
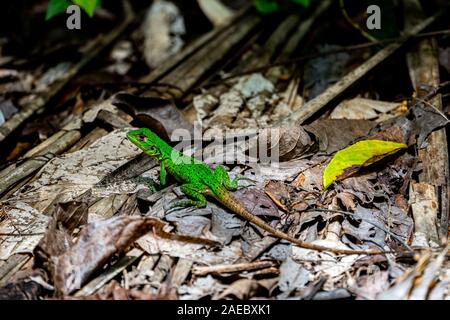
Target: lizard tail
point(231, 203)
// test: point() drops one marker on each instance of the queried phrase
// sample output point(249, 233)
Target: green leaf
point(304, 3)
point(56, 7)
point(361, 154)
point(87, 5)
point(266, 6)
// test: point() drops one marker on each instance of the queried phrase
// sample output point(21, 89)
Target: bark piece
point(88, 139)
point(168, 65)
point(181, 272)
point(423, 65)
point(424, 207)
point(14, 174)
point(183, 77)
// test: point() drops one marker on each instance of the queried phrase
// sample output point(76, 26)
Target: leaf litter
point(288, 199)
point(56, 215)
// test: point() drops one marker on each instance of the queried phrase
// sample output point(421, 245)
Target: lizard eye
point(142, 138)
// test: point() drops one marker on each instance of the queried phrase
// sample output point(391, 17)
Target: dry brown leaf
point(334, 268)
point(333, 135)
point(245, 289)
point(368, 286)
point(96, 244)
point(66, 217)
point(70, 175)
point(23, 287)
point(257, 202)
point(279, 193)
point(200, 287)
point(161, 115)
point(288, 142)
point(367, 109)
point(347, 199)
point(293, 277)
point(195, 252)
point(21, 229)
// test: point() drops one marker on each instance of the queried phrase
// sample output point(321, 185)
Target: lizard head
point(147, 141)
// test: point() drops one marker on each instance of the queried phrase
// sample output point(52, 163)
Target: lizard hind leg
point(194, 192)
point(232, 185)
point(222, 175)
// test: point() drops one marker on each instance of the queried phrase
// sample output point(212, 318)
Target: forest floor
point(274, 98)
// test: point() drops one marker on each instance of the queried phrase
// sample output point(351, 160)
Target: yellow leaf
point(360, 154)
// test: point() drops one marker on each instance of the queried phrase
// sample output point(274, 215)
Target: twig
point(21, 234)
point(434, 108)
point(354, 24)
point(168, 65)
point(187, 74)
point(10, 177)
point(313, 106)
point(323, 53)
point(437, 89)
point(201, 271)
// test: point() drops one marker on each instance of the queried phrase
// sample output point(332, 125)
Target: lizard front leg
point(162, 173)
point(194, 192)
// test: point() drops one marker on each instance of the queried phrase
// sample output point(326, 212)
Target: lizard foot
point(239, 178)
point(196, 200)
point(175, 205)
point(148, 182)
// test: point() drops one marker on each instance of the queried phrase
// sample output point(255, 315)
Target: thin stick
point(354, 24)
point(302, 114)
point(325, 53)
point(434, 108)
point(238, 267)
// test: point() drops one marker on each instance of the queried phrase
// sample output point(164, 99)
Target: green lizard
point(199, 180)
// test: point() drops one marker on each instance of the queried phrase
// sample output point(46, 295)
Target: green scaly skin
point(198, 180)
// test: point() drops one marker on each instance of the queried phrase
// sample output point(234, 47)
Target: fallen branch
point(433, 189)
